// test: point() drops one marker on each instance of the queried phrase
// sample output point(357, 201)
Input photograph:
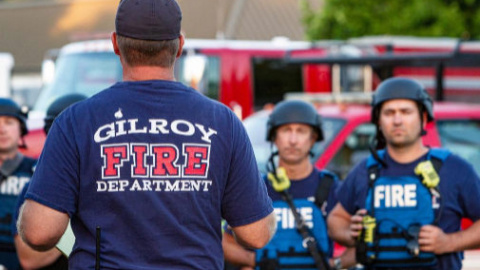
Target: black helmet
point(58, 106)
point(10, 108)
point(294, 111)
point(401, 88)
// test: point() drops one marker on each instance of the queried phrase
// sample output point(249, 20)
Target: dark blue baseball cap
point(148, 19)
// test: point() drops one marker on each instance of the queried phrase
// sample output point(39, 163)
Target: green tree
point(343, 19)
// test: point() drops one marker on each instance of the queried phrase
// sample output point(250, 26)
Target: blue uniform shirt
point(156, 166)
point(459, 188)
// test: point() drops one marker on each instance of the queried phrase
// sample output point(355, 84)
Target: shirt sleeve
point(470, 192)
point(55, 181)
point(245, 199)
point(350, 193)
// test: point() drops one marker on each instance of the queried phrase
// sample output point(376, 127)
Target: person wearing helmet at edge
point(15, 171)
point(53, 258)
point(147, 168)
point(402, 206)
point(294, 127)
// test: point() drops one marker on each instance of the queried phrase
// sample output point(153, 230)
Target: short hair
point(138, 52)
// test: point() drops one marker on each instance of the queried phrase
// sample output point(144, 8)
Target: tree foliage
point(343, 19)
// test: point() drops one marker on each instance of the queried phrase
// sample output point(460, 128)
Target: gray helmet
point(58, 106)
point(294, 111)
point(401, 88)
point(8, 107)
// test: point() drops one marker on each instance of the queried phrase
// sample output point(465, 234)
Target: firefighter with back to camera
point(146, 169)
point(402, 206)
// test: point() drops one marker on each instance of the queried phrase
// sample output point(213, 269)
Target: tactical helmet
point(294, 111)
point(58, 106)
point(8, 107)
point(401, 88)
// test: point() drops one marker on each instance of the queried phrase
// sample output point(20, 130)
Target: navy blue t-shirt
point(156, 166)
point(459, 189)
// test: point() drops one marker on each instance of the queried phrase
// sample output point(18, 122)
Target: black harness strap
point(405, 261)
point(309, 240)
point(321, 195)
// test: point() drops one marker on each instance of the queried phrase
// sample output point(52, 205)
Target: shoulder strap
point(326, 181)
point(437, 156)
point(374, 160)
point(373, 169)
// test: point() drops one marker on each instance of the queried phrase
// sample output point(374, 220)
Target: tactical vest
point(397, 208)
point(286, 249)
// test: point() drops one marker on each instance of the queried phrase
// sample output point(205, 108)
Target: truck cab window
point(353, 151)
point(272, 79)
point(463, 138)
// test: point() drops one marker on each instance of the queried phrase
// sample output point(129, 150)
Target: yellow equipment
point(427, 173)
point(369, 224)
point(279, 180)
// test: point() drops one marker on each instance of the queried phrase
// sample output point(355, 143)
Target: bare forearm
point(341, 234)
point(466, 239)
point(236, 254)
point(339, 230)
point(31, 259)
point(434, 239)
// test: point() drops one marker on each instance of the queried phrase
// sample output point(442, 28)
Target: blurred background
point(31, 29)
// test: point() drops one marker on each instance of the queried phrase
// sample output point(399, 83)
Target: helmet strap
point(373, 147)
point(22, 145)
point(422, 111)
point(271, 167)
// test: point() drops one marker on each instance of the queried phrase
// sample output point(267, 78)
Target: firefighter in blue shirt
point(402, 206)
point(294, 127)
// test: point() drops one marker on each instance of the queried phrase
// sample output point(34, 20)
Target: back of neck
point(147, 73)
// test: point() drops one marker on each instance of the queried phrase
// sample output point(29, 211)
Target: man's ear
point(425, 119)
point(180, 46)
point(113, 37)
